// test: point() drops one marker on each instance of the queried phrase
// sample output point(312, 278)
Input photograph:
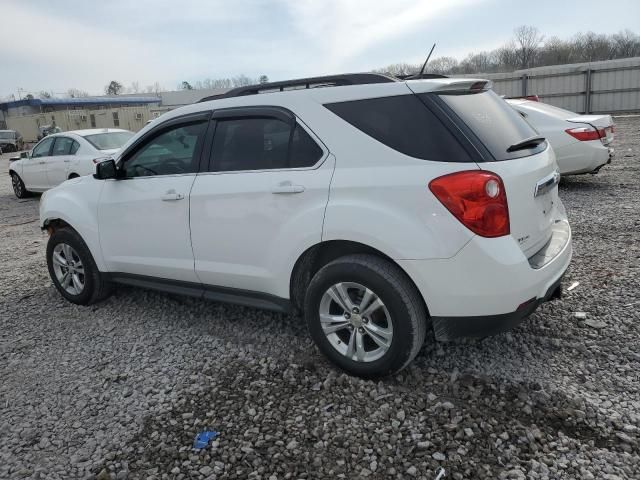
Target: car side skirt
point(234, 296)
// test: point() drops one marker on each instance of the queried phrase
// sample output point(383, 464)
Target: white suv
point(377, 207)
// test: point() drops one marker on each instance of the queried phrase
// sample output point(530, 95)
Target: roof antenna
point(424, 65)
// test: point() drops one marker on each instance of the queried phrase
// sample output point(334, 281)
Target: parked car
point(45, 130)
point(62, 156)
point(11, 141)
point(582, 143)
point(378, 208)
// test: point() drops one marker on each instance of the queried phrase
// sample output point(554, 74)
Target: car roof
point(325, 94)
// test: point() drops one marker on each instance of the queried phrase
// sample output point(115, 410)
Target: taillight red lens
point(586, 133)
point(477, 199)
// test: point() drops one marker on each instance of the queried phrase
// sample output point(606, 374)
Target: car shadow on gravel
point(584, 183)
point(285, 418)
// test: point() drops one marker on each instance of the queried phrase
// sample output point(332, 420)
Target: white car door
point(58, 163)
point(261, 203)
point(34, 170)
point(144, 216)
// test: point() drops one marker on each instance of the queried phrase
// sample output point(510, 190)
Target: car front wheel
point(365, 315)
point(73, 270)
point(18, 186)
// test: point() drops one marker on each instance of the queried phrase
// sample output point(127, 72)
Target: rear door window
point(496, 124)
point(262, 143)
point(405, 124)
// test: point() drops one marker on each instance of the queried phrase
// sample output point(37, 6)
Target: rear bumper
point(583, 157)
point(490, 285)
point(450, 328)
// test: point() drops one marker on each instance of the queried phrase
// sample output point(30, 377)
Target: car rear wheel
point(18, 186)
point(73, 270)
point(365, 315)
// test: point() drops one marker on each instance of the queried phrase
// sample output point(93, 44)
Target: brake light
point(533, 98)
point(585, 134)
point(477, 199)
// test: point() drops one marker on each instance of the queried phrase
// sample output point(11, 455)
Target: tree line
point(529, 48)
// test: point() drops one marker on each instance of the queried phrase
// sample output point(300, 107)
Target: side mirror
point(106, 170)
point(25, 155)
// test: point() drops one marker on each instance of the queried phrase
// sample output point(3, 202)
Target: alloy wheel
point(68, 269)
point(356, 322)
point(17, 186)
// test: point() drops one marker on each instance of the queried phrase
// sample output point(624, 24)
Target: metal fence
point(611, 86)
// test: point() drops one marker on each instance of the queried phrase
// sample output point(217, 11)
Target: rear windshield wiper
point(530, 142)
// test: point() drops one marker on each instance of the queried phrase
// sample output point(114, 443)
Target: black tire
point(400, 297)
point(96, 286)
point(73, 175)
point(18, 186)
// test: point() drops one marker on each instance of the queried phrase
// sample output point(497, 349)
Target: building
point(130, 112)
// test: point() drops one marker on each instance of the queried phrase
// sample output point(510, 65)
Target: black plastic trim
point(280, 113)
point(329, 81)
point(234, 296)
point(450, 328)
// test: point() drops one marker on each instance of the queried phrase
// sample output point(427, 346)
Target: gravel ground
point(119, 389)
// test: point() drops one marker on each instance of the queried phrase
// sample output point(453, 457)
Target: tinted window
point(62, 146)
point(42, 149)
point(172, 152)
point(74, 147)
point(108, 141)
point(405, 124)
point(305, 152)
point(495, 123)
point(262, 144)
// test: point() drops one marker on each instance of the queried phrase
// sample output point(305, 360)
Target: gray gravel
point(119, 389)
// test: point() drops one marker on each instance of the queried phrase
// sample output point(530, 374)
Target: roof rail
point(303, 83)
point(418, 76)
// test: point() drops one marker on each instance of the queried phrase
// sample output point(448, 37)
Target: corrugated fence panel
point(615, 85)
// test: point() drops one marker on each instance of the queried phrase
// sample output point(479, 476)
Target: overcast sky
point(57, 45)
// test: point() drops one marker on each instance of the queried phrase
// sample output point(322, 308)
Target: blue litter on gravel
point(203, 438)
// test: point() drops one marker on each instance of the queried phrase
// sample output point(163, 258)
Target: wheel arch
point(320, 254)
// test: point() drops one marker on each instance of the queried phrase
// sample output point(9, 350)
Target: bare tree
point(528, 40)
point(626, 44)
point(76, 93)
point(263, 79)
point(442, 65)
point(135, 87)
point(45, 94)
point(399, 69)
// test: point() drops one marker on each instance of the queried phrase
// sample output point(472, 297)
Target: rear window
point(405, 124)
point(493, 121)
point(108, 141)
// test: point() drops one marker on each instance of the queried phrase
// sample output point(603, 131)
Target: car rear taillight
point(477, 199)
point(585, 134)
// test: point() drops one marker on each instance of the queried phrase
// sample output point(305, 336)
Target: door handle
point(41, 163)
point(66, 161)
point(287, 187)
point(172, 197)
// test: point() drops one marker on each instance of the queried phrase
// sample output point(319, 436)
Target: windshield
point(6, 135)
point(109, 141)
point(495, 123)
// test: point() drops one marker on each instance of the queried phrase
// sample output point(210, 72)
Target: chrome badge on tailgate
point(547, 183)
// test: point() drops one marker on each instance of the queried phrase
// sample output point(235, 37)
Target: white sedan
point(582, 143)
point(62, 156)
